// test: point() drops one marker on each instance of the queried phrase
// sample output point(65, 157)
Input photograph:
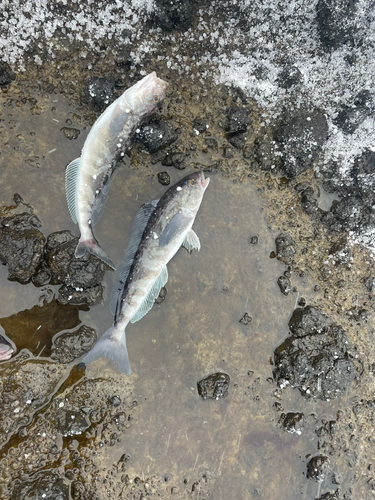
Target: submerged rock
point(71, 423)
point(21, 246)
point(215, 386)
point(285, 248)
point(72, 345)
point(284, 285)
point(164, 178)
point(292, 422)
point(317, 467)
point(316, 359)
point(46, 485)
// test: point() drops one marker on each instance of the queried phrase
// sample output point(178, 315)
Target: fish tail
point(111, 347)
point(92, 246)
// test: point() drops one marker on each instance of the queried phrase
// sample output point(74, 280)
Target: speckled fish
point(6, 349)
point(87, 178)
point(159, 230)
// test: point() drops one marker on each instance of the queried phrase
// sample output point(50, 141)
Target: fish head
point(145, 96)
point(190, 190)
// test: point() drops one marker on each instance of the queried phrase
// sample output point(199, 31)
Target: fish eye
point(155, 99)
point(191, 182)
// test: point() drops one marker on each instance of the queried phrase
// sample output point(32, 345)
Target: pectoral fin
point(191, 241)
point(174, 228)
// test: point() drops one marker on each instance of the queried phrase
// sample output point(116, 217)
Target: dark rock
point(309, 202)
point(215, 386)
point(6, 74)
point(237, 120)
point(349, 118)
point(317, 467)
point(363, 171)
point(284, 285)
point(370, 283)
point(85, 272)
point(316, 359)
point(174, 159)
point(71, 422)
point(290, 75)
point(228, 152)
point(164, 179)
point(21, 246)
point(285, 248)
point(246, 319)
point(161, 296)
point(173, 15)
point(42, 275)
point(336, 22)
point(237, 140)
point(156, 136)
point(70, 132)
point(264, 155)
point(254, 239)
point(125, 458)
point(330, 496)
point(308, 321)
point(115, 401)
point(78, 295)
point(72, 345)
point(100, 92)
point(47, 485)
point(350, 214)
point(292, 422)
point(340, 253)
point(300, 136)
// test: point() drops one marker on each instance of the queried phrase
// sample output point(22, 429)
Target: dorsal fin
point(139, 226)
point(151, 296)
point(71, 173)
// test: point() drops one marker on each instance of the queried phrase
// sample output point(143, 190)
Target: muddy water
point(235, 444)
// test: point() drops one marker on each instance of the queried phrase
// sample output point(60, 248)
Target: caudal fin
point(112, 347)
point(91, 246)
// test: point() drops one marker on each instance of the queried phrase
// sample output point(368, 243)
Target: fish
point(6, 349)
point(87, 178)
point(159, 229)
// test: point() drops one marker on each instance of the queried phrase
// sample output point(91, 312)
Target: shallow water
point(235, 443)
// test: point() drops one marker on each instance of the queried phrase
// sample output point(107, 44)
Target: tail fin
point(111, 347)
point(92, 246)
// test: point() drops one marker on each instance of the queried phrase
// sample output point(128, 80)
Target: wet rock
point(173, 15)
point(254, 239)
point(317, 467)
point(42, 275)
point(200, 126)
point(237, 120)
point(83, 273)
point(246, 319)
point(6, 74)
point(309, 202)
point(115, 401)
point(370, 283)
point(300, 137)
point(45, 485)
point(78, 295)
point(330, 496)
point(72, 345)
point(285, 248)
point(156, 136)
point(100, 92)
point(70, 132)
point(211, 143)
point(340, 253)
point(237, 140)
point(161, 296)
point(21, 246)
point(292, 422)
point(316, 359)
point(71, 422)
point(350, 214)
point(336, 22)
point(164, 178)
point(174, 159)
point(284, 285)
point(308, 321)
point(215, 386)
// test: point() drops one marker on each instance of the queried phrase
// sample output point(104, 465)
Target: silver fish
point(159, 230)
point(87, 178)
point(6, 349)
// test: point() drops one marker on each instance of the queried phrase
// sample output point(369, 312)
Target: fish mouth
point(204, 181)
